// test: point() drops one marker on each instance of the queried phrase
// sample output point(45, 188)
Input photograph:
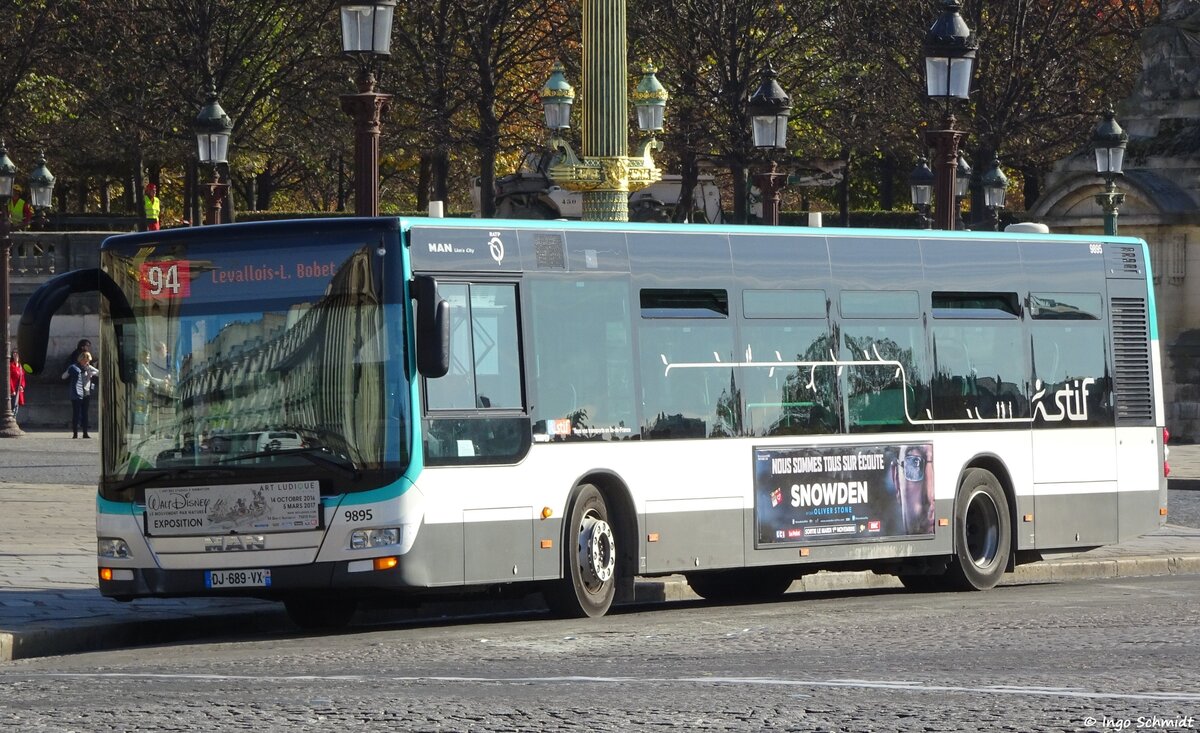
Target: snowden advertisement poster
point(843, 493)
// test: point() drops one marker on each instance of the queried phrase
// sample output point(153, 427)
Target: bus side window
point(689, 387)
point(583, 389)
point(980, 371)
point(800, 398)
point(1065, 354)
point(892, 395)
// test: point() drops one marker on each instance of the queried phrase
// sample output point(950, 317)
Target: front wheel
point(589, 580)
point(982, 532)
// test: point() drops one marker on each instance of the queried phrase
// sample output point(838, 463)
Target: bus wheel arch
point(595, 545)
point(983, 531)
point(996, 467)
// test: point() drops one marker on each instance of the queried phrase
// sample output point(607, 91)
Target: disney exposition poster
point(843, 493)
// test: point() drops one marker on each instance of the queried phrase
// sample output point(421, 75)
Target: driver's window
point(475, 412)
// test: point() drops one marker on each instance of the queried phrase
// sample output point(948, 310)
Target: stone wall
point(37, 256)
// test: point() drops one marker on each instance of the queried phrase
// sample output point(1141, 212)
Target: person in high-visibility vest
point(20, 213)
point(153, 207)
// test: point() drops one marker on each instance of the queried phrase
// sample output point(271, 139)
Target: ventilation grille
point(1131, 356)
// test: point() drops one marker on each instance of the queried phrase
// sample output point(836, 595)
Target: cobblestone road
point(1085, 656)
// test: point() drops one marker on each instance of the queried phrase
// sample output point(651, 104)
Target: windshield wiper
point(319, 456)
point(176, 473)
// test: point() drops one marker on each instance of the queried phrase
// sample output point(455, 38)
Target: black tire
point(982, 532)
point(742, 584)
point(317, 614)
point(589, 580)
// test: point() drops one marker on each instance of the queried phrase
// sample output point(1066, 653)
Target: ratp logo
point(496, 247)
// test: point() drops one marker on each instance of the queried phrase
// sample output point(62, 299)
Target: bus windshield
point(252, 361)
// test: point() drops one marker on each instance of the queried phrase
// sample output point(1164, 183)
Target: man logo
point(235, 543)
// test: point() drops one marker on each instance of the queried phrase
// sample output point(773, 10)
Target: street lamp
point(213, 127)
point(962, 188)
point(367, 38)
point(8, 174)
point(604, 172)
point(557, 97)
point(920, 183)
point(949, 59)
point(995, 186)
point(769, 109)
point(41, 193)
point(1110, 141)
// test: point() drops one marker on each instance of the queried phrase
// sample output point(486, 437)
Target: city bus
point(406, 408)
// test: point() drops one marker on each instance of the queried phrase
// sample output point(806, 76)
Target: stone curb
point(85, 636)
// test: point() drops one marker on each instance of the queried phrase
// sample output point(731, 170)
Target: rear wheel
point(589, 579)
point(741, 584)
point(982, 532)
point(316, 613)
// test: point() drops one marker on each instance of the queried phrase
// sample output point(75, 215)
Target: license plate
point(217, 579)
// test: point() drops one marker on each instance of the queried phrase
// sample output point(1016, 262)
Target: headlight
point(362, 539)
point(113, 547)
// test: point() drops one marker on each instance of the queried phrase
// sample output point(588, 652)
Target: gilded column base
point(605, 206)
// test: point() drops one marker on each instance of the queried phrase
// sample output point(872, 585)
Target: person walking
point(79, 378)
point(16, 381)
point(153, 207)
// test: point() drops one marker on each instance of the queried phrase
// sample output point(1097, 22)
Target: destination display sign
point(275, 506)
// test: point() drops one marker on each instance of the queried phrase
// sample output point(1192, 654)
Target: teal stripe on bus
point(106, 506)
point(1153, 311)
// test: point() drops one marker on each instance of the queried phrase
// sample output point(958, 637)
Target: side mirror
point(33, 331)
point(433, 329)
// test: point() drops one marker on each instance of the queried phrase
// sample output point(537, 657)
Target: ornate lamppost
point(949, 59)
point(995, 186)
point(769, 109)
point(920, 184)
point(213, 127)
point(41, 194)
point(8, 174)
point(962, 189)
point(605, 173)
point(367, 38)
point(1110, 141)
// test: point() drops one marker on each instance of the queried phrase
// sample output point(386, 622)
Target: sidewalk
point(49, 603)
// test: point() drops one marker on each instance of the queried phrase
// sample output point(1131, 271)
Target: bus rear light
point(1166, 436)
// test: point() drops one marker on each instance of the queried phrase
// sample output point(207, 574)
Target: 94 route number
point(165, 279)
